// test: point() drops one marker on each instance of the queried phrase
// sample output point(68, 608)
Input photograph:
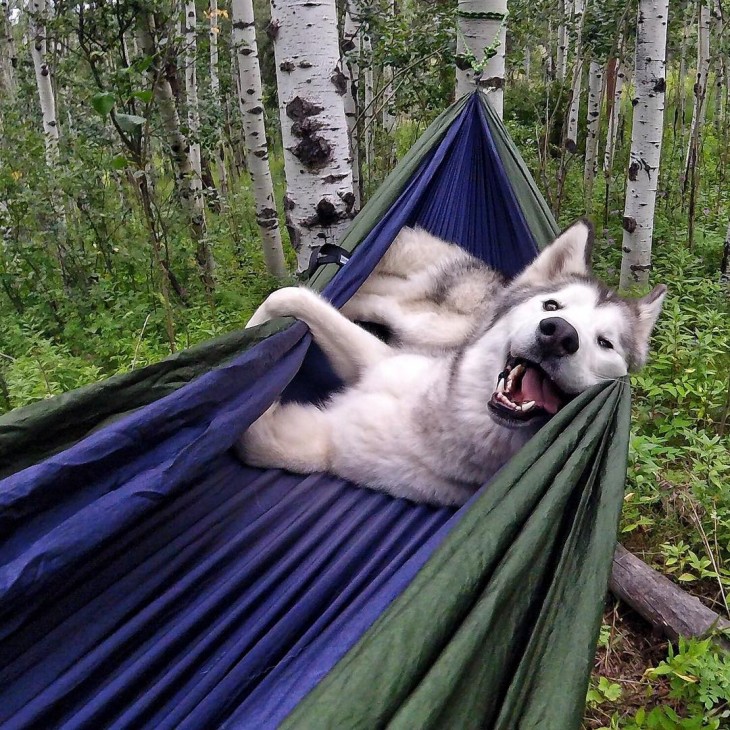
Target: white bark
point(39, 52)
point(254, 129)
point(319, 198)
point(595, 100)
point(566, 11)
point(571, 137)
point(8, 59)
point(215, 92)
point(215, 85)
point(191, 90)
point(700, 88)
point(615, 119)
point(351, 70)
point(482, 30)
point(646, 141)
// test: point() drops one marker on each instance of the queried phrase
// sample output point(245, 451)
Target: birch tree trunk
point(351, 69)
point(57, 223)
point(482, 30)
point(595, 100)
point(188, 181)
point(8, 59)
point(614, 118)
point(319, 198)
point(565, 11)
point(254, 129)
point(215, 92)
point(700, 88)
point(646, 141)
point(571, 137)
point(39, 51)
point(191, 91)
point(686, 29)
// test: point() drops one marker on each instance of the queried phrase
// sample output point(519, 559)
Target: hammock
point(150, 580)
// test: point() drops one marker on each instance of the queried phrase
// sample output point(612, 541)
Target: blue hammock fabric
point(148, 579)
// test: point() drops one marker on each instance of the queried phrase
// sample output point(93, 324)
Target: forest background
point(130, 226)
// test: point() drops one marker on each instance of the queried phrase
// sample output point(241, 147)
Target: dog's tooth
point(527, 405)
point(506, 401)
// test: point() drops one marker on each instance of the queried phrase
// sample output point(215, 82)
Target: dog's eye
point(603, 342)
point(550, 305)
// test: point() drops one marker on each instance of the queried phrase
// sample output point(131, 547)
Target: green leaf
point(130, 122)
point(145, 95)
point(103, 102)
point(119, 162)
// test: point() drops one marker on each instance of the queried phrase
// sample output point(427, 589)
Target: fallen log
point(659, 601)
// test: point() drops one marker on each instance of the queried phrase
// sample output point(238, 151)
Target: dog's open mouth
point(525, 391)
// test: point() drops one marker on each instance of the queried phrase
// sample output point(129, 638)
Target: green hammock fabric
point(491, 633)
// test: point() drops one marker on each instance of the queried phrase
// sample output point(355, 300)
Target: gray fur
point(422, 420)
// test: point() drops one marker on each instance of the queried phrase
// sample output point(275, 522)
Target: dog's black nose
point(557, 337)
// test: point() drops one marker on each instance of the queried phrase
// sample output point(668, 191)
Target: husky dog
point(477, 366)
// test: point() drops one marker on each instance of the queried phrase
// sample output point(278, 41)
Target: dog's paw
point(286, 302)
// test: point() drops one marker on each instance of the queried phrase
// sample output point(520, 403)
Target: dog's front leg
point(348, 347)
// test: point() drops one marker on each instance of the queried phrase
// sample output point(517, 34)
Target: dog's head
point(565, 331)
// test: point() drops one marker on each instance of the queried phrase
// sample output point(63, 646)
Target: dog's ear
point(569, 253)
point(647, 312)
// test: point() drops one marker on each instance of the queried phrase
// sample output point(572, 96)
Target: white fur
point(413, 421)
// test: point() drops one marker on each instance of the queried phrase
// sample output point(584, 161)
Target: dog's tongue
point(535, 386)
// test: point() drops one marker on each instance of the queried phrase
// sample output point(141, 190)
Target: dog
point(475, 367)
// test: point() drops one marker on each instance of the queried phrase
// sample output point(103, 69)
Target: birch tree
point(565, 10)
point(480, 47)
point(350, 48)
point(319, 198)
point(215, 92)
point(39, 53)
point(252, 113)
point(595, 100)
point(191, 92)
point(646, 141)
point(571, 137)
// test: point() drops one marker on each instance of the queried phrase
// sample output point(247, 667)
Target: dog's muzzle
point(525, 391)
